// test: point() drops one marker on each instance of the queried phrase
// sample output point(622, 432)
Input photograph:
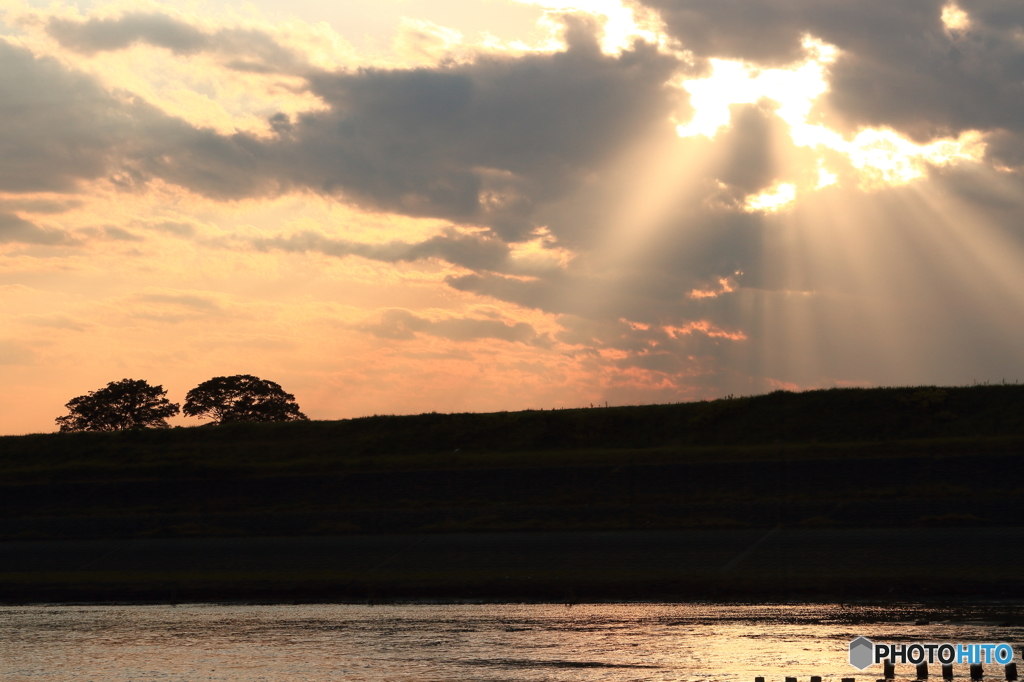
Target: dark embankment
point(865, 475)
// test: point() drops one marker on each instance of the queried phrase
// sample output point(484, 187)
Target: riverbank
point(834, 423)
point(837, 494)
point(930, 564)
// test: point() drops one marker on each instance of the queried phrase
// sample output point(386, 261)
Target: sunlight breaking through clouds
point(892, 159)
point(620, 22)
point(826, 177)
point(883, 156)
point(540, 253)
point(726, 285)
point(703, 327)
point(776, 199)
point(501, 204)
point(734, 82)
point(954, 18)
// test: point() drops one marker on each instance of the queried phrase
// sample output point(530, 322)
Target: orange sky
point(401, 207)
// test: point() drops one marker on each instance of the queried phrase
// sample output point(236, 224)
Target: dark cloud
point(63, 127)
point(538, 294)
point(690, 246)
point(202, 160)
point(998, 194)
point(243, 50)
point(512, 143)
point(475, 251)
point(100, 35)
point(58, 125)
point(483, 143)
point(17, 230)
point(110, 233)
point(766, 31)
point(750, 162)
point(397, 323)
point(118, 234)
point(46, 206)
point(899, 64)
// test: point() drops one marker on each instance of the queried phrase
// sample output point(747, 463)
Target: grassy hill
point(846, 457)
point(842, 492)
point(806, 424)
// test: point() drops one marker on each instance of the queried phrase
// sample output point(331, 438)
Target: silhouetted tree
point(125, 404)
point(241, 398)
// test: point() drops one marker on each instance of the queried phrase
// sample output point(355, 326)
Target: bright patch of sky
point(883, 156)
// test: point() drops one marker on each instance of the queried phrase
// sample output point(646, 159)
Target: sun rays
point(596, 205)
point(882, 157)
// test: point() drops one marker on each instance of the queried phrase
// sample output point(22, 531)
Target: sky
point(405, 206)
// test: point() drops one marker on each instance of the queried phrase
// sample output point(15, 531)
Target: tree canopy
point(125, 404)
point(241, 398)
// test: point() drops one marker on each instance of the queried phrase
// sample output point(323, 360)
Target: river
point(435, 643)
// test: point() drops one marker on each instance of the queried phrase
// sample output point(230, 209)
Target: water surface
point(434, 643)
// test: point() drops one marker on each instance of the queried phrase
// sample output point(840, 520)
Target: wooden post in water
point(790, 679)
point(1011, 672)
point(758, 679)
point(890, 669)
point(815, 678)
point(947, 671)
point(922, 671)
point(977, 672)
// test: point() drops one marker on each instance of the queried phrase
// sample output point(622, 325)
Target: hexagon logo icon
point(862, 653)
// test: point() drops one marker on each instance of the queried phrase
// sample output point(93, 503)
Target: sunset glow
point(410, 206)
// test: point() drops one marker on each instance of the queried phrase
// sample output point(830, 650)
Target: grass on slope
point(822, 423)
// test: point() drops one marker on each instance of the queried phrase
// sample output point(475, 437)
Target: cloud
point(638, 345)
point(63, 128)
point(899, 64)
point(420, 40)
point(60, 125)
point(172, 306)
point(483, 142)
point(14, 352)
point(396, 323)
point(236, 340)
point(98, 35)
point(121, 235)
point(480, 142)
point(192, 301)
point(662, 276)
point(41, 205)
point(247, 50)
point(532, 293)
point(750, 163)
point(16, 230)
point(57, 321)
point(475, 251)
point(175, 228)
point(691, 244)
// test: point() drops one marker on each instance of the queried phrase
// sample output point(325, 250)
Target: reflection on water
point(614, 642)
